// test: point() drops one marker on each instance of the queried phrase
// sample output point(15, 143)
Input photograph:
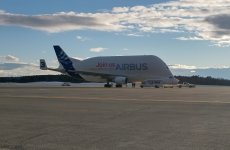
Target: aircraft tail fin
point(63, 58)
point(43, 65)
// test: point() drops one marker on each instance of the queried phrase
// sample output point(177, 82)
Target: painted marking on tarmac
point(117, 99)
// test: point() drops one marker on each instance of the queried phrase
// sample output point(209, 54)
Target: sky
point(191, 36)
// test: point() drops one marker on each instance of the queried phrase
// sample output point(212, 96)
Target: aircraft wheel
point(118, 85)
point(156, 86)
point(108, 85)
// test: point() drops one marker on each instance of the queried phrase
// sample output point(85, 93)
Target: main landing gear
point(118, 85)
point(108, 85)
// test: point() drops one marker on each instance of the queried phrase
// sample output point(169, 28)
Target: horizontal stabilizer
point(43, 66)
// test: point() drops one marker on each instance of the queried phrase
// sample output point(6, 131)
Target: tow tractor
point(186, 84)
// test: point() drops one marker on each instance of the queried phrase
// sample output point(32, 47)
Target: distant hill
point(64, 78)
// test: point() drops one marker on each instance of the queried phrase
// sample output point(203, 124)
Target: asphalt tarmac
point(57, 118)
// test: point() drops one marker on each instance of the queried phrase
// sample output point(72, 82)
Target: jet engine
point(120, 80)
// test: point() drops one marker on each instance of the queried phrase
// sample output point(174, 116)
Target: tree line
point(203, 80)
point(42, 78)
point(64, 78)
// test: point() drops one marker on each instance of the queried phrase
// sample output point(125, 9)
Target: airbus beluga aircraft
point(118, 69)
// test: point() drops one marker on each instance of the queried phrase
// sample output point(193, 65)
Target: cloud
point(82, 39)
point(189, 38)
point(185, 70)
point(135, 35)
point(11, 66)
point(192, 71)
point(180, 66)
point(220, 21)
point(97, 50)
point(8, 58)
point(11, 58)
point(120, 9)
point(21, 69)
point(63, 21)
point(200, 19)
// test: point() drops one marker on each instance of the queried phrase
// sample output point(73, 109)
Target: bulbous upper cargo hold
point(137, 68)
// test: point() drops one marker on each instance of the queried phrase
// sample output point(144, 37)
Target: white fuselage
point(135, 68)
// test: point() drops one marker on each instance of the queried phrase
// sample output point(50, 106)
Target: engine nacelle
point(121, 80)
